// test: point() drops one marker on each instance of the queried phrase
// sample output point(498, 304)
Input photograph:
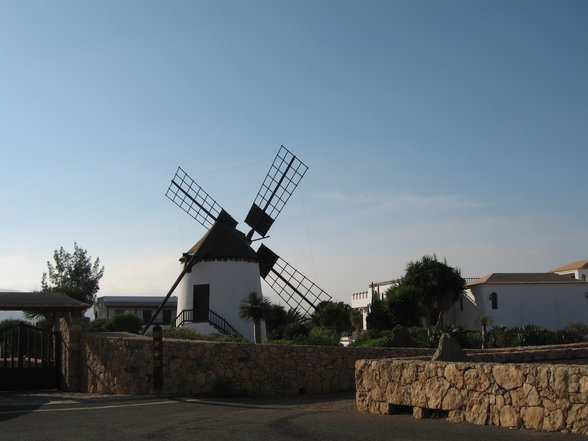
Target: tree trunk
point(257, 331)
point(440, 319)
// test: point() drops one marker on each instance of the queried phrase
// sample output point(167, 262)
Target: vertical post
point(157, 358)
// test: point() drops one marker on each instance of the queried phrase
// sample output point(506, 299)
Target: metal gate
point(29, 358)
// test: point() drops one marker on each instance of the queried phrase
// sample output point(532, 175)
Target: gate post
point(71, 353)
point(157, 358)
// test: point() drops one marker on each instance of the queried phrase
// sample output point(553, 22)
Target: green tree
point(333, 316)
point(439, 285)
point(254, 308)
point(74, 274)
point(356, 318)
point(281, 324)
point(403, 305)
point(275, 320)
point(378, 319)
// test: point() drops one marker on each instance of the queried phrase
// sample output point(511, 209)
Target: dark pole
point(157, 358)
point(187, 266)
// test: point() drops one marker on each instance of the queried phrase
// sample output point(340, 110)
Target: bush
point(429, 338)
point(576, 331)
point(7, 323)
point(528, 335)
point(126, 322)
point(295, 330)
point(189, 334)
point(280, 341)
point(99, 325)
point(318, 337)
point(374, 339)
point(315, 337)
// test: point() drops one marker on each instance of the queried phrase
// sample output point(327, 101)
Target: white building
point(551, 299)
point(363, 300)
point(141, 306)
point(516, 299)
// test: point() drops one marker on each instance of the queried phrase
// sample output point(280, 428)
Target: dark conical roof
point(223, 242)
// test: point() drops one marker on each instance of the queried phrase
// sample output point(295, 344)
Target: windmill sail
point(190, 197)
point(280, 182)
point(293, 287)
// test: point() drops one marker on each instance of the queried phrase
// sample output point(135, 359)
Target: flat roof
point(136, 300)
point(39, 301)
point(525, 278)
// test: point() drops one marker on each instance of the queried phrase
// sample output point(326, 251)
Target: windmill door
point(201, 302)
point(29, 358)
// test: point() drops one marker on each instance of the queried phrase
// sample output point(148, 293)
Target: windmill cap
point(222, 242)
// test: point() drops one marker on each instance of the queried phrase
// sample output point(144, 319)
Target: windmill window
point(146, 315)
point(494, 300)
point(167, 316)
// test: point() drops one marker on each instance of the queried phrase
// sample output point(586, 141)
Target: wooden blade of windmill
point(293, 287)
point(190, 197)
point(187, 266)
point(280, 182)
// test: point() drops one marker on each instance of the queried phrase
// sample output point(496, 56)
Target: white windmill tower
point(222, 268)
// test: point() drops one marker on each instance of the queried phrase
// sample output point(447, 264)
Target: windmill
point(223, 267)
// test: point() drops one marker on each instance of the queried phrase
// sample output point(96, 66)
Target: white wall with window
point(543, 299)
point(141, 306)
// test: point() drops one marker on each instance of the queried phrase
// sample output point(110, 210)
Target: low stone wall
point(530, 354)
point(533, 396)
point(123, 364)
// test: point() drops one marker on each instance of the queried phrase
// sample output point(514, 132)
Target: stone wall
point(533, 396)
point(122, 364)
point(530, 354)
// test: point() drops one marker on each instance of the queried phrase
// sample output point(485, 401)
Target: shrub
point(420, 336)
point(315, 337)
point(99, 325)
point(295, 330)
point(576, 331)
point(318, 337)
point(528, 335)
point(126, 322)
point(373, 338)
point(7, 323)
point(189, 334)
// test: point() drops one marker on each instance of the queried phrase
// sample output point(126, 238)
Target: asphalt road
point(308, 418)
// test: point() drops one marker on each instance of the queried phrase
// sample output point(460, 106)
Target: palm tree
point(484, 321)
point(254, 308)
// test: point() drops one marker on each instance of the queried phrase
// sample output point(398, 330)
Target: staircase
point(219, 323)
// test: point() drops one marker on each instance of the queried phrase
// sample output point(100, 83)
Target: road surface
point(321, 418)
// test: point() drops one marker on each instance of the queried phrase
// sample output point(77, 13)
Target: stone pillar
point(71, 329)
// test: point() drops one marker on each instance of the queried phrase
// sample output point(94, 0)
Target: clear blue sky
point(450, 127)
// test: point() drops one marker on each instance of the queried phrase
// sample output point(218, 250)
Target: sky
point(454, 128)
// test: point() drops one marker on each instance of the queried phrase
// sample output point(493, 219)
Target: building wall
point(363, 300)
point(549, 305)
point(226, 293)
point(103, 310)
